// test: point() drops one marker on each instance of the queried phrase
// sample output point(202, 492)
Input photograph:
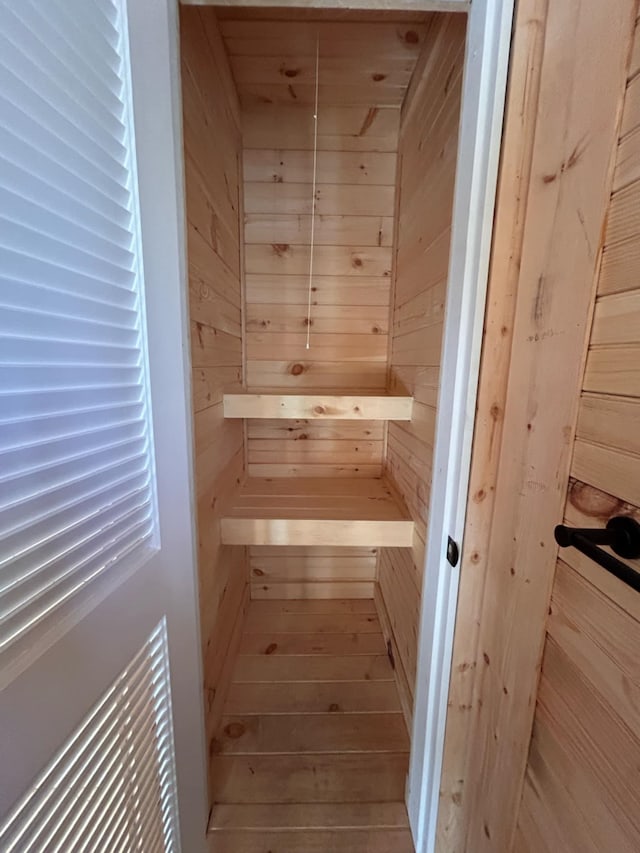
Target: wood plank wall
point(428, 150)
point(556, 174)
point(356, 163)
point(212, 144)
point(582, 784)
point(364, 71)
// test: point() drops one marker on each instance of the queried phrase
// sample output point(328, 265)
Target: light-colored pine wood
point(610, 421)
point(617, 319)
point(313, 697)
point(283, 259)
point(634, 62)
point(327, 319)
point(327, 348)
point(620, 267)
point(264, 36)
point(600, 639)
point(312, 406)
point(212, 146)
point(622, 222)
point(312, 644)
point(364, 69)
point(311, 816)
point(559, 801)
point(328, 230)
point(294, 570)
point(609, 470)
point(313, 841)
point(374, 13)
point(309, 374)
point(313, 589)
point(589, 507)
point(291, 734)
point(315, 429)
point(405, 694)
point(586, 720)
point(428, 147)
point(341, 128)
point(296, 760)
point(262, 668)
point(342, 70)
point(529, 386)
point(580, 763)
point(310, 777)
point(319, 623)
point(306, 514)
point(335, 167)
point(312, 573)
point(613, 370)
point(318, 446)
point(335, 606)
point(347, 200)
point(331, 291)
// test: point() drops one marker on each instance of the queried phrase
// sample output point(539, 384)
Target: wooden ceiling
point(365, 59)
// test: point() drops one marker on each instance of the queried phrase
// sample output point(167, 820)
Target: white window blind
point(76, 481)
point(112, 786)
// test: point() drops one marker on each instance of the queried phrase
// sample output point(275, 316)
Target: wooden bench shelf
point(331, 406)
point(319, 511)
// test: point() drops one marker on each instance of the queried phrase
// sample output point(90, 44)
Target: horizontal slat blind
point(112, 785)
point(76, 486)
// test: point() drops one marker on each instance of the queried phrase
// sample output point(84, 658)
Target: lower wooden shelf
point(320, 511)
point(327, 405)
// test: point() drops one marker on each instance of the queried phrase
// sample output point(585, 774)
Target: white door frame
point(157, 110)
point(483, 98)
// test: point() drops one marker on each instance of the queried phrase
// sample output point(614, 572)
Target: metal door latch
point(453, 552)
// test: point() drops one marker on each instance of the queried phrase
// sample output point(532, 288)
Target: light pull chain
point(313, 193)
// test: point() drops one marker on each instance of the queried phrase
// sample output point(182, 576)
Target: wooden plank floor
point(312, 752)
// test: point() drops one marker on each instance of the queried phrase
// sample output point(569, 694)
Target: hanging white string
point(313, 193)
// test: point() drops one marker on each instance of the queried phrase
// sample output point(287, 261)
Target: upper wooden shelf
point(330, 406)
point(319, 511)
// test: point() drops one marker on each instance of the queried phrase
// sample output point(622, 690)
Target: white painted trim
point(157, 109)
point(344, 5)
point(484, 87)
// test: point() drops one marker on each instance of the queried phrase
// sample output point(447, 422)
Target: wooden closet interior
point(315, 391)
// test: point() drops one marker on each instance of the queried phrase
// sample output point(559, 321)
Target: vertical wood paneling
point(212, 147)
point(428, 149)
point(582, 784)
point(509, 230)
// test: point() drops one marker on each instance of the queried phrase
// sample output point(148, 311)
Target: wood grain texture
point(322, 512)
point(428, 150)
point(582, 779)
point(364, 70)
point(319, 407)
point(313, 749)
point(313, 589)
point(354, 206)
point(312, 573)
point(522, 552)
point(212, 147)
point(375, 840)
point(313, 698)
point(356, 163)
point(312, 816)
